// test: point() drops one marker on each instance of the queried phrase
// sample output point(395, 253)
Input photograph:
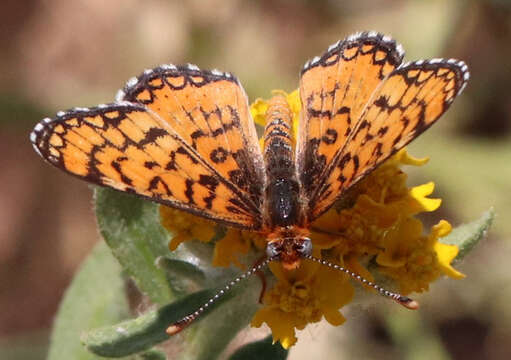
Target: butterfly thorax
point(282, 188)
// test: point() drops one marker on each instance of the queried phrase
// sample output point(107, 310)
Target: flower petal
point(282, 325)
point(334, 317)
point(258, 111)
point(446, 254)
point(228, 248)
point(419, 195)
point(404, 158)
point(398, 243)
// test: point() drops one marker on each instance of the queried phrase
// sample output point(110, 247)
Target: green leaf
point(131, 228)
point(153, 355)
point(263, 349)
point(206, 338)
point(185, 277)
point(467, 236)
point(94, 298)
point(140, 334)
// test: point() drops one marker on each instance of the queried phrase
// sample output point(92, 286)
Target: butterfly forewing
point(403, 104)
point(407, 103)
point(209, 111)
point(334, 89)
point(194, 153)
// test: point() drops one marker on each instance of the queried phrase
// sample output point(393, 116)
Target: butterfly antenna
point(187, 320)
point(400, 299)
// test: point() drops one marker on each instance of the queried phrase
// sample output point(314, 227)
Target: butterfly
point(184, 137)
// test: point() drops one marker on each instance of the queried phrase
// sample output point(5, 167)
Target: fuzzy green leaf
point(131, 228)
point(94, 298)
point(185, 276)
point(140, 334)
point(207, 340)
point(263, 349)
point(467, 236)
point(152, 355)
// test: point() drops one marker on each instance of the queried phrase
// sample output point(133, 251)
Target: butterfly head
point(289, 250)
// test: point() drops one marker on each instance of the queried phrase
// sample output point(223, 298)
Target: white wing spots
point(435, 61)
point(40, 126)
point(387, 38)
point(354, 36)
point(192, 67)
point(126, 104)
point(102, 106)
point(148, 71)
point(168, 67)
point(372, 34)
point(333, 46)
point(132, 82)
point(400, 50)
point(120, 95)
point(37, 149)
point(462, 87)
point(217, 72)
point(80, 109)
point(60, 114)
point(46, 121)
point(315, 60)
point(419, 62)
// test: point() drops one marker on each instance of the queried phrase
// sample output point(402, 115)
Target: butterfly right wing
point(359, 106)
point(334, 88)
point(129, 146)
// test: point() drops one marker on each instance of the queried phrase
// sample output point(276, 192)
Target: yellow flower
point(420, 260)
point(259, 106)
point(375, 223)
point(300, 297)
point(233, 245)
point(229, 247)
point(184, 226)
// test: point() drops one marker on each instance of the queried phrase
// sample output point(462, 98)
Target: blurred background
point(58, 54)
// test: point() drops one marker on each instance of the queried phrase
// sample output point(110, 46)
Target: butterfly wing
point(177, 135)
point(397, 104)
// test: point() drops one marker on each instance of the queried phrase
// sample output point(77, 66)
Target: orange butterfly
point(184, 137)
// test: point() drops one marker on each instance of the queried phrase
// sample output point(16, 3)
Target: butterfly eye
point(304, 247)
point(273, 250)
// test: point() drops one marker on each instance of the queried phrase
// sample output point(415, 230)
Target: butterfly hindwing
point(131, 147)
point(334, 89)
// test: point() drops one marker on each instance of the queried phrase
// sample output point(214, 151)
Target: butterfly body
point(184, 137)
point(282, 189)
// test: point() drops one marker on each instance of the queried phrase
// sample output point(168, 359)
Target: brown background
point(57, 54)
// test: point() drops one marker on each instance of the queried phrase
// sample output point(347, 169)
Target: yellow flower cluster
point(374, 225)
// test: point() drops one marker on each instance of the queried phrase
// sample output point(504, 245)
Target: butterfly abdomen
point(282, 189)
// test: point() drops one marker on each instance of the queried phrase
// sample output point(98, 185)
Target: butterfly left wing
point(193, 152)
point(407, 103)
